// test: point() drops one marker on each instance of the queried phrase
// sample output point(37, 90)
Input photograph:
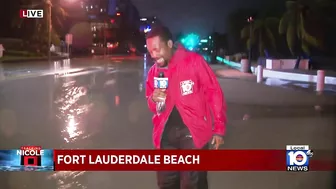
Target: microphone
point(161, 82)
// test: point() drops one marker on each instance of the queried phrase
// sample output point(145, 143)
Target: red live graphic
point(31, 13)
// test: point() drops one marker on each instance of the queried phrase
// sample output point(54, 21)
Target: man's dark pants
point(178, 137)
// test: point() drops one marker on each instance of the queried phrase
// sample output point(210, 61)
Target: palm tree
point(326, 12)
point(44, 31)
point(294, 24)
point(260, 34)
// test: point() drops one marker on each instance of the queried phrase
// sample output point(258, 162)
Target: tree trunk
point(250, 49)
point(297, 64)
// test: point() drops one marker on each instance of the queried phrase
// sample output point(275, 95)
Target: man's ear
point(170, 44)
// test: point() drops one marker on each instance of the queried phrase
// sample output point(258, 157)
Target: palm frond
point(283, 24)
point(245, 32)
point(60, 12)
point(290, 37)
point(307, 38)
point(270, 38)
point(291, 5)
point(305, 48)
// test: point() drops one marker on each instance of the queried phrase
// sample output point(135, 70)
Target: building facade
point(112, 21)
point(146, 23)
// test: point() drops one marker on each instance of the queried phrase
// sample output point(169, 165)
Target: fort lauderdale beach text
point(127, 159)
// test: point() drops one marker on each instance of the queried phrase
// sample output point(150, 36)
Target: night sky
point(199, 16)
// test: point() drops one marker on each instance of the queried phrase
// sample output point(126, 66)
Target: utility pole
point(250, 21)
point(49, 28)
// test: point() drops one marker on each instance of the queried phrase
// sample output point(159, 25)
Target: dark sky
point(199, 16)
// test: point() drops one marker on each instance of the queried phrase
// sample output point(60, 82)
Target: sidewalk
point(251, 93)
point(242, 88)
point(235, 74)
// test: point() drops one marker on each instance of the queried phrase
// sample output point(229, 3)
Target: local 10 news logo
point(298, 157)
point(160, 82)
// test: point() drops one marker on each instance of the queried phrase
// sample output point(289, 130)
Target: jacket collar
point(179, 53)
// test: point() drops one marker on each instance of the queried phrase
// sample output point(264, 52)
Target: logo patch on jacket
point(186, 87)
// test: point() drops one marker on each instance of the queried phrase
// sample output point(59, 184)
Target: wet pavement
point(99, 103)
point(303, 86)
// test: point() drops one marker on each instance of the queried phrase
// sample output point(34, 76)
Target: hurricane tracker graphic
point(27, 160)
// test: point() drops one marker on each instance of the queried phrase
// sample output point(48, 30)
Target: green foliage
point(262, 34)
point(293, 24)
point(38, 41)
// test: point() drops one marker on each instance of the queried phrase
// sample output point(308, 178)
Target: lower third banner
point(208, 160)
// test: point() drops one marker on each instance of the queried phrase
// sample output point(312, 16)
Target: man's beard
point(163, 64)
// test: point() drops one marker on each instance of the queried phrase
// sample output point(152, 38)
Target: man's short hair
point(161, 31)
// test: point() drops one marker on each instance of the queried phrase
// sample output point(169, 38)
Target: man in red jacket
point(193, 100)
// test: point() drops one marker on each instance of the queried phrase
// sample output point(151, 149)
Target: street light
point(250, 21)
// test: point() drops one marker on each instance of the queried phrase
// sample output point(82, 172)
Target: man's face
point(160, 50)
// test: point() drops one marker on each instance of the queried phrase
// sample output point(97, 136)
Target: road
point(101, 105)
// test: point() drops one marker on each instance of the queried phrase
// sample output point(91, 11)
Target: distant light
point(143, 19)
point(148, 29)
point(205, 49)
point(209, 37)
point(190, 41)
point(112, 21)
point(118, 14)
point(145, 46)
point(204, 41)
point(92, 51)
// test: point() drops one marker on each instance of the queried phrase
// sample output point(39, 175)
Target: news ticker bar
point(149, 160)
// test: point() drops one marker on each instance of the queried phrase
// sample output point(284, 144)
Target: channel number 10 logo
point(298, 157)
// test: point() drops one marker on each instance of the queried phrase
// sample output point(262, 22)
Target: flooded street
point(102, 106)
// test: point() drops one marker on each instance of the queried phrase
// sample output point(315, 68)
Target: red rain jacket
point(194, 90)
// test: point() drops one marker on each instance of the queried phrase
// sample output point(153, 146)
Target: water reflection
point(2, 73)
point(72, 105)
point(100, 110)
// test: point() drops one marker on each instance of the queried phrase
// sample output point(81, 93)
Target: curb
point(247, 77)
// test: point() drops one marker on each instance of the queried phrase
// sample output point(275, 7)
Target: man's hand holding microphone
point(159, 95)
